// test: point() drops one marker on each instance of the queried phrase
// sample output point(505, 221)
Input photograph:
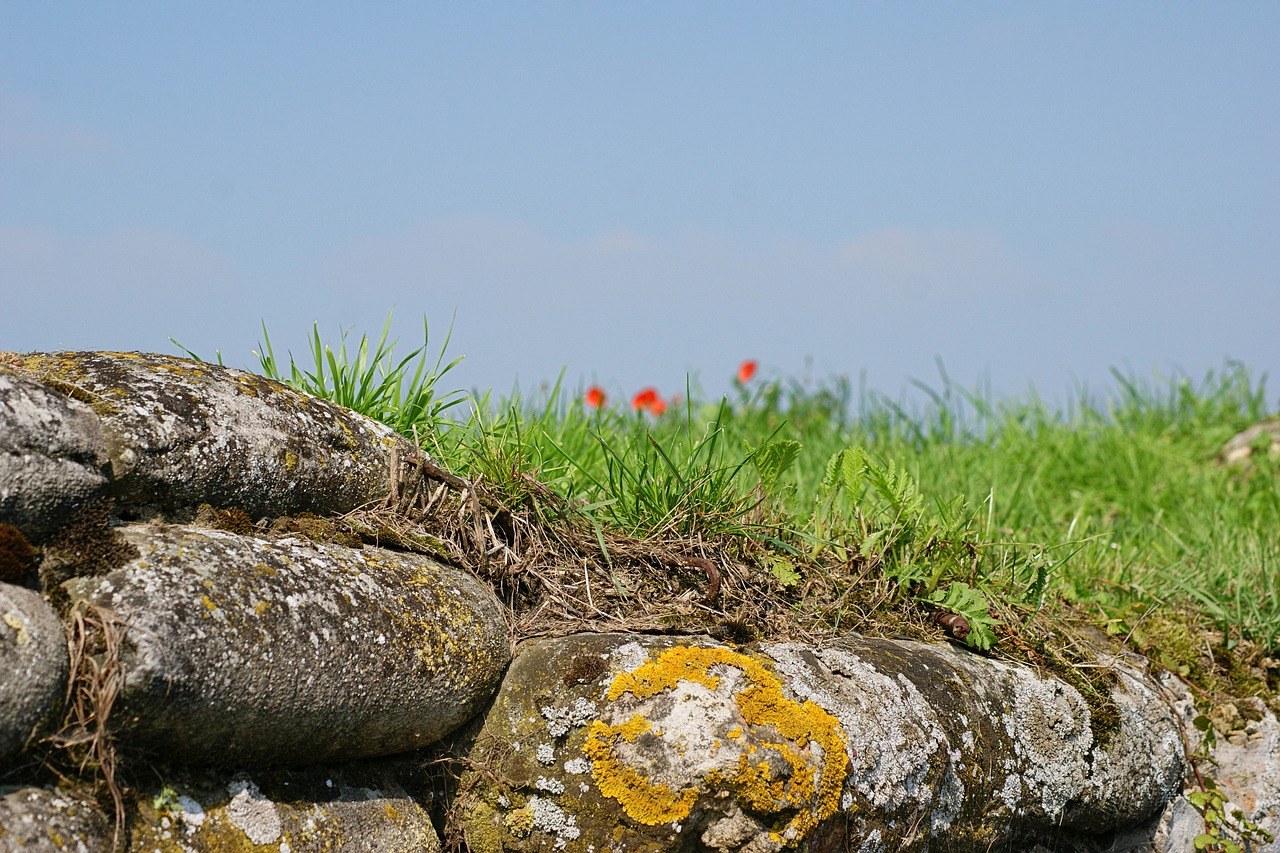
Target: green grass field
point(849, 509)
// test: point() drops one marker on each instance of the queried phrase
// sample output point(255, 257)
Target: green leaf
point(970, 603)
point(853, 467)
point(772, 459)
point(831, 471)
point(784, 570)
point(871, 543)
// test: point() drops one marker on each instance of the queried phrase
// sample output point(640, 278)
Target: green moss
point(17, 556)
point(86, 546)
point(315, 528)
point(230, 519)
point(1221, 665)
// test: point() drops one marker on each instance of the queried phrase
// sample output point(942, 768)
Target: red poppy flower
point(746, 370)
point(649, 401)
point(644, 399)
point(594, 397)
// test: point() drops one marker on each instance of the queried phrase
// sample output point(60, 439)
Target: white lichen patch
point(551, 819)
point(872, 843)
point(1149, 768)
point(560, 720)
point(1011, 791)
point(545, 754)
point(577, 766)
point(1048, 727)
point(691, 724)
point(252, 813)
point(629, 656)
point(550, 786)
point(192, 813)
point(894, 735)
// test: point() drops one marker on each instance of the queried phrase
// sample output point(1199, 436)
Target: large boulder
point(53, 458)
point(33, 667)
point(252, 652)
point(181, 433)
point(630, 743)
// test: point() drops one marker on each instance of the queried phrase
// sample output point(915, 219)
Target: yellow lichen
point(632, 728)
point(642, 800)
point(519, 822)
point(805, 728)
point(15, 621)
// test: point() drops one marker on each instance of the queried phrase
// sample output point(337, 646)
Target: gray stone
point(354, 809)
point(1174, 830)
point(39, 820)
point(259, 652)
point(53, 458)
point(1240, 447)
point(1245, 762)
point(33, 666)
point(627, 742)
point(181, 433)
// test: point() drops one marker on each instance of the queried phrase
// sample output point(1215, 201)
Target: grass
point(806, 509)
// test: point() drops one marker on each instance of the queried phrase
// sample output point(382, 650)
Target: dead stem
point(95, 637)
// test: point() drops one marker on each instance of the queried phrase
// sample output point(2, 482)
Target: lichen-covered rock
point(353, 809)
point(39, 820)
point(181, 433)
point(636, 743)
point(1264, 435)
point(33, 666)
point(257, 652)
point(983, 749)
point(53, 458)
point(1245, 762)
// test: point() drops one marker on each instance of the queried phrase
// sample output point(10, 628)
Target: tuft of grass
point(373, 384)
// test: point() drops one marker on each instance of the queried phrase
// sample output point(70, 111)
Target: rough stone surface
point(33, 666)
point(1174, 830)
point(257, 652)
point(1246, 764)
point(633, 743)
point(1261, 435)
point(353, 809)
point(181, 433)
point(38, 820)
point(932, 718)
point(1243, 762)
point(53, 458)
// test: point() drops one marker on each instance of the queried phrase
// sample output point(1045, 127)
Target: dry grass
point(558, 572)
point(95, 637)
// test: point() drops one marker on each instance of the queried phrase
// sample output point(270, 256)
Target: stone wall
point(263, 691)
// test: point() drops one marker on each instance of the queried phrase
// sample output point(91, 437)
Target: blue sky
point(1033, 193)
